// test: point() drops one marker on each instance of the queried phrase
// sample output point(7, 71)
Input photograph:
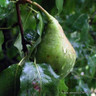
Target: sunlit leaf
point(63, 89)
point(34, 83)
point(40, 24)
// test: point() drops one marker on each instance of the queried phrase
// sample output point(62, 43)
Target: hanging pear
point(55, 49)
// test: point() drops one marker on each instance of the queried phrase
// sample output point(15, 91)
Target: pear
point(55, 49)
point(10, 80)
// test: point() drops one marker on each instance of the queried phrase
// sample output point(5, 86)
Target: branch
point(21, 28)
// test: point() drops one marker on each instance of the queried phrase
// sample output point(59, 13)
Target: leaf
point(18, 44)
point(62, 88)
point(10, 80)
point(37, 80)
point(36, 43)
point(76, 21)
point(40, 24)
point(92, 65)
point(28, 19)
point(1, 40)
point(2, 2)
point(84, 87)
point(59, 5)
point(80, 20)
point(8, 12)
point(12, 52)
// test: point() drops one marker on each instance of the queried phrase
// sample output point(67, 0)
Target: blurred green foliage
point(78, 19)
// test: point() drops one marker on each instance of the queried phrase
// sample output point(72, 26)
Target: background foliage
point(78, 19)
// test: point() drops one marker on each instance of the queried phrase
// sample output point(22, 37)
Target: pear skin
point(55, 49)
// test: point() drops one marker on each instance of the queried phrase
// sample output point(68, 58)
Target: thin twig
point(10, 27)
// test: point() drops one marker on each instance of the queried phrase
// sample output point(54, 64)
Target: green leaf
point(10, 80)
point(62, 88)
point(84, 32)
point(38, 79)
point(77, 22)
point(18, 44)
point(8, 12)
point(29, 21)
point(59, 5)
point(35, 44)
point(40, 24)
point(2, 2)
point(12, 52)
point(92, 65)
point(84, 87)
point(69, 7)
point(1, 40)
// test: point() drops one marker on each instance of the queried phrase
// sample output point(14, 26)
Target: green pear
point(55, 49)
point(10, 80)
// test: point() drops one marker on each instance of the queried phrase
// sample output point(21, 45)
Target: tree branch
point(21, 28)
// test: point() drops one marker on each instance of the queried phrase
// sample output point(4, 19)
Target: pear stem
point(14, 25)
point(21, 63)
point(40, 7)
point(33, 10)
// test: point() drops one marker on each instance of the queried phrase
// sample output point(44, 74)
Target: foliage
point(77, 17)
point(38, 79)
